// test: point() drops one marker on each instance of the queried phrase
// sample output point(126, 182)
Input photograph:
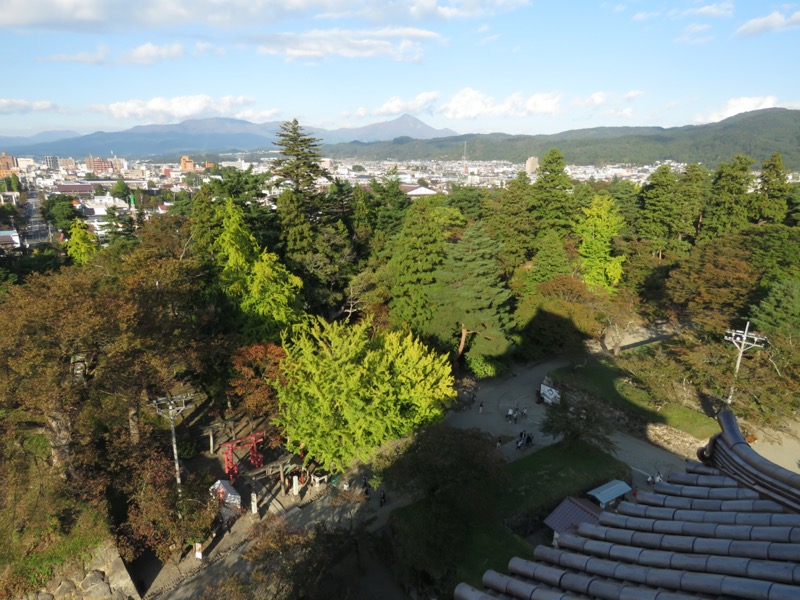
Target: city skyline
point(473, 66)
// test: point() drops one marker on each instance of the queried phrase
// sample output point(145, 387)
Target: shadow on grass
point(433, 552)
point(600, 377)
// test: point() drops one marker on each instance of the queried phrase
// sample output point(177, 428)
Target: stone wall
point(103, 576)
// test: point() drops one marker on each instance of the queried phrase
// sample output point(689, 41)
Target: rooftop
point(729, 527)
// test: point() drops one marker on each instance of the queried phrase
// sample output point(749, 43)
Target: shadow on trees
point(549, 334)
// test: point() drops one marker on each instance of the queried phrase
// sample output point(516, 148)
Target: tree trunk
point(133, 418)
point(58, 431)
point(463, 342)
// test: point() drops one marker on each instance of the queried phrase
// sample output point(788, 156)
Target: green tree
point(509, 221)
point(267, 294)
point(773, 191)
point(417, 252)
point(693, 194)
point(468, 199)
point(597, 229)
point(299, 167)
point(272, 300)
point(391, 203)
point(316, 225)
point(657, 216)
point(551, 260)
point(626, 195)
point(779, 312)
point(235, 250)
point(346, 391)
point(121, 190)
point(554, 205)
point(82, 244)
point(471, 300)
point(730, 206)
point(59, 211)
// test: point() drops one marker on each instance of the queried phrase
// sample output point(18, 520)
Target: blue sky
point(516, 66)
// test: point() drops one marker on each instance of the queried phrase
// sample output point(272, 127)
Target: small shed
point(224, 491)
point(609, 493)
point(569, 515)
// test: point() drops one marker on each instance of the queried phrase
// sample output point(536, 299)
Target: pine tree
point(299, 167)
point(471, 299)
point(730, 205)
point(551, 260)
point(773, 191)
point(693, 192)
point(511, 223)
point(417, 252)
point(657, 216)
point(554, 205)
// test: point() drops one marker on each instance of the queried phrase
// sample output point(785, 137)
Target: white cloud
point(148, 53)
point(201, 48)
point(633, 94)
point(694, 34)
point(645, 16)
point(257, 116)
point(595, 99)
point(721, 9)
point(397, 43)
point(470, 103)
point(396, 106)
point(774, 21)
point(734, 106)
point(12, 106)
point(88, 58)
point(164, 110)
point(624, 113)
point(110, 14)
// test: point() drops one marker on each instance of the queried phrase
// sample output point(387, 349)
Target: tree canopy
point(346, 390)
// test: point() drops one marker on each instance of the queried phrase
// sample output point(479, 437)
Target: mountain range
point(757, 134)
point(215, 135)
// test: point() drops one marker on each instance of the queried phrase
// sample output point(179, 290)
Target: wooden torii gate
point(229, 453)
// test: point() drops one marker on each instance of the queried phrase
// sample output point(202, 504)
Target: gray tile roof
point(729, 527)
point(571, 513)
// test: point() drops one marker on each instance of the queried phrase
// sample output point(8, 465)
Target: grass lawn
point(603, 379)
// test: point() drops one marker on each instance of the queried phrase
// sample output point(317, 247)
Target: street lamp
point(743, 340)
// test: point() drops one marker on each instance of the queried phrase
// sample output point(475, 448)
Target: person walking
point(480, 408)
point(383, 497)
point(499, 443)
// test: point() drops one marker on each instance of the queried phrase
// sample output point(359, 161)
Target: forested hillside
point(344, 315)
point(757, 134)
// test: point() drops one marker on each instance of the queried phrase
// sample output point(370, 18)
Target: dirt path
point(517, 389)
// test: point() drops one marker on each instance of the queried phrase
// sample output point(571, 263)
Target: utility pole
point(743, 340)
point(170, 408)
